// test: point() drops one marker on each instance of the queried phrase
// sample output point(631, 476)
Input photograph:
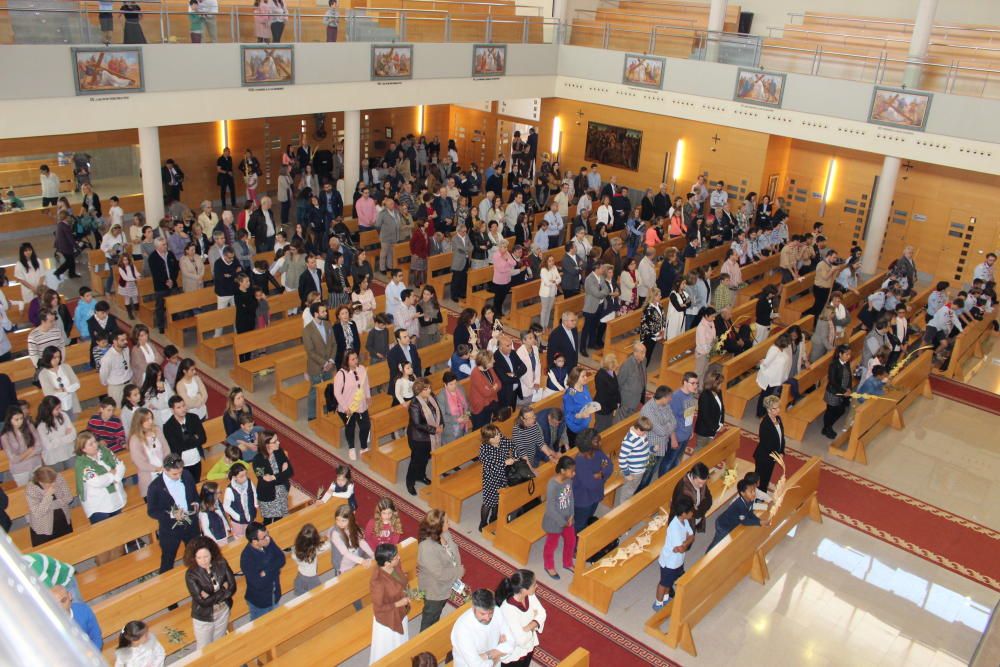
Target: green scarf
point(106, 463)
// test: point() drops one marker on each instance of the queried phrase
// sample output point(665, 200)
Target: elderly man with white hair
point(632, 381)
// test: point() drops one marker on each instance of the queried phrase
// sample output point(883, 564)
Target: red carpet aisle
point(930, 532)
point(966, 394)
point(568, 625)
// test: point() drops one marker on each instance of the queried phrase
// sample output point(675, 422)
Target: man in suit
point(224, 176)
point(509, 369)
point(331, 203)
point(262, 226)
point(907, 266)
point(311, 279)
point(622, 207)
point(173, 501)
point(632, 381)
point(610, 188)
point(321, 350)
point(185, 436)
point(400, 353)
point(565, 340)
point(100, 325)
point(173, 180)
point(595, 290)
point(164, 268)
point(571, 273)
point(461, 250)
point(387, 223)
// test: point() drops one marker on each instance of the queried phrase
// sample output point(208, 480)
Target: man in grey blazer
point(571, 273)
point(632, 381)
point(461, 250)
point(321, 349)
point(596, 289)
point(388, 225)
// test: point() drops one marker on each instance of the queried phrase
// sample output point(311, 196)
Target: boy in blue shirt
point(739, 512)
point(245, 437)
point(84, 311)
point(684, 405)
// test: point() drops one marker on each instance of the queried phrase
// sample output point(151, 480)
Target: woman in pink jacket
point(353, 394)
point(503, 269)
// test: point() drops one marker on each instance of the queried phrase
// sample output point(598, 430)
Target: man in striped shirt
point(46, 334)
point(634, 456)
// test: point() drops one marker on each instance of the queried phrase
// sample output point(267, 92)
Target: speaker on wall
point(746, 20)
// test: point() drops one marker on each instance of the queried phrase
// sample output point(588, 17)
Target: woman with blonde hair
point(147, 447)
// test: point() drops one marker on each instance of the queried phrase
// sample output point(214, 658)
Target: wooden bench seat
point(245, 372)
point(208, 345)
point(185, 303)
point(740, 554)
point(597, 585)
point(150, 598)
point(435, 640)
point(295, 623)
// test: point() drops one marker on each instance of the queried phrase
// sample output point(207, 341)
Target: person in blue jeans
point(261, 562)
point(684, 406)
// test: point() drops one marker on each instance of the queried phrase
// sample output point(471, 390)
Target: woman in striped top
point(527, 435)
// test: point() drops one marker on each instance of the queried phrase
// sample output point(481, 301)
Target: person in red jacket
point(419, 251)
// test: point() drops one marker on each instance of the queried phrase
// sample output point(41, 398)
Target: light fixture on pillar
point(556, 138)
point(222, 134)
point(831, 175)
point(678, 162)
point(420, 119)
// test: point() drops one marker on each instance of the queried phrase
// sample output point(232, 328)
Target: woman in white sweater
point(57, 433)
point(524, 614)
point(59, 380)
point(547, 290)
point(774, 370)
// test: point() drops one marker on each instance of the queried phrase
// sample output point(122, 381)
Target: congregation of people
point(155, 403)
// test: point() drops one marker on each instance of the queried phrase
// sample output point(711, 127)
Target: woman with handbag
point(274, 475)
point(353, 394)
point(495, 453)
point(423, 433)
point(439, 567)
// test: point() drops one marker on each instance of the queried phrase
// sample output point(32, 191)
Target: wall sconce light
point(831, 175)
point(222, 134)
point(556, 143)
point(420, 119)
point(678, 161)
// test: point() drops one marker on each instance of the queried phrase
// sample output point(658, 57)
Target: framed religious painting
point(765, 89)
point(644, 71)
point(101, 71)
point(392, 62)
point(898, 107)
point(489, 60)
point(268, 65)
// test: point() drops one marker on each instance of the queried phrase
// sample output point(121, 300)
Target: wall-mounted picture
point(268, 65)
point(107, 70)
point(896, 107)
point(613, 146)
point(392, 61)
point(756, 87)
point(489, 59)
point(645, 71)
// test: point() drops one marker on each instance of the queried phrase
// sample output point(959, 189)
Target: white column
point(923, 24)
point(879, 219)
point(152, 184)
point(352, 152)
point(716, 23)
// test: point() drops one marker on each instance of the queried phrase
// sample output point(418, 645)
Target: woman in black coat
point(711, 410)
point(211, 583)
point(608, 392)
point(246, 305)
point(772, 441)
point(422, 433)
point(345, 332)
point(274, 477)
point(838, 389)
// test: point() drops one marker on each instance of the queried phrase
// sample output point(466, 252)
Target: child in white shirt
point(678, 542)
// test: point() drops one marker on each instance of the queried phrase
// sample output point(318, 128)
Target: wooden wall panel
point(737, 158)
point(67, 142)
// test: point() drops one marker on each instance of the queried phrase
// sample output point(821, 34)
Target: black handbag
point(520, 472)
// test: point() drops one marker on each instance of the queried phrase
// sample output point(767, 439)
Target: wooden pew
point(515, 538)
point(596, 586)
point(797, 418)
point(796, 290)
point(435, 640)
point(150, 598)
point(678, 353)
point(184, 303)
point(873, 416)
point(574, 304)
point(478, 288)
point(580, 657)
point(208, 344)
point(625, 327)
point(740, 554)
point(708, 258)
point(439, 274)
point(969, 347)
point(290, 624)
point(245, 372)
point(22, 370)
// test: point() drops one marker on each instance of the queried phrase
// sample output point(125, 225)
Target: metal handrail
point(537, 9)
point(909, 24)
point(685, 6)
point(857, 56)
point(629, 14)
point(876, 38)
point(399, 10)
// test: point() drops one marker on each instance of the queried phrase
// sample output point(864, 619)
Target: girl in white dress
point(362, 294)
point(679, 302)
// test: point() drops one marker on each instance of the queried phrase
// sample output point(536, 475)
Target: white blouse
point(524, 640)
point(550, 282)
